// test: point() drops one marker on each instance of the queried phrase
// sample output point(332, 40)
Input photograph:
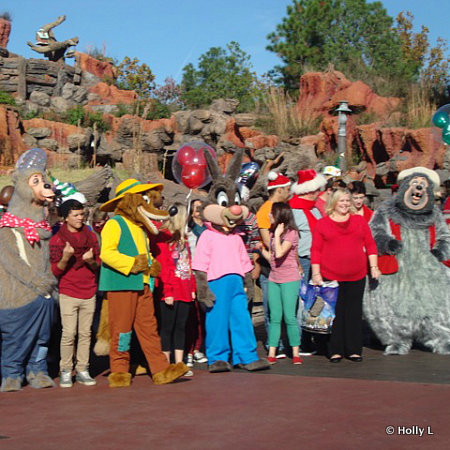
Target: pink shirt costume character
point(211, 247)
point(285, 269)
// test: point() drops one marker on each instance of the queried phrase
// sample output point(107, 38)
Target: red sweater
point(176, 277)
point(76, 283)
point(341, 248)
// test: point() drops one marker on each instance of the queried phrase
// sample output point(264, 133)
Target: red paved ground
point(228, 411)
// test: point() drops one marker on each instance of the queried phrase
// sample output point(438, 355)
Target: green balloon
point(441, 119)
point(446, 134)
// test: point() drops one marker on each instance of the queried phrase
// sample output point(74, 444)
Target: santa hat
point(277, 180)
point(308, 181)
point(431, 174)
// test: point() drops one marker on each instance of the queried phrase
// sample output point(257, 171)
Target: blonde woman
point(177, 282)
point(342, 242)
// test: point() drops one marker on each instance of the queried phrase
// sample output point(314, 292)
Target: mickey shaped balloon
point(189, 164)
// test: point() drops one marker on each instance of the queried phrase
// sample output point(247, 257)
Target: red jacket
point(176, 278)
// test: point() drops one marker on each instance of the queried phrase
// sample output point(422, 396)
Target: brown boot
point(119, 379)
point(171, 373)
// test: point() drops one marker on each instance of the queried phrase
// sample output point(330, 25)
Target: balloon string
point(189, 201)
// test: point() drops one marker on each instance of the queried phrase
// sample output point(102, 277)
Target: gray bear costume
point(27, 284)
point(412, 304)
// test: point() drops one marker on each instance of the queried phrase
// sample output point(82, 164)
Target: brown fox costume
point(126, 276)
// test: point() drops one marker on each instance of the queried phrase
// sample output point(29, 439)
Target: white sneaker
point(190, 360)
point(189, 373)
point(312, 352)
point(200, 358)
point(83, 377)
point(65, 380)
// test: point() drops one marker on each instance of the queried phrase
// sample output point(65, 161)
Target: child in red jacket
point(176, 282)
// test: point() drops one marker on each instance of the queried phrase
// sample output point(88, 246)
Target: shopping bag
point(319, 305)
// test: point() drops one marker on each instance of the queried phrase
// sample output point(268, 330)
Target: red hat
point(277, 180)
point(308, 181)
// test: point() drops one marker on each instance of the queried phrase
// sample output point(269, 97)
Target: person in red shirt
point(341, 243)
point(74, 258)
point(358, 191)
point(177, 282)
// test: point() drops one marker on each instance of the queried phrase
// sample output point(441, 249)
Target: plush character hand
point(44, 285)
point(395, 246)
point(140, 264)
point(438, 254)
point(155, 268)
point(205, 296)
point(249, 286)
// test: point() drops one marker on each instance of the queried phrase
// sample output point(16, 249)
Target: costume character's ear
point(234, 168)
point(213, 167)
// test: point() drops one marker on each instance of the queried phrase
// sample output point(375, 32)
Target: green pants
point(283, 302)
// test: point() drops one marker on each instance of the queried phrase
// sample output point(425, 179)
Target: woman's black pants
point(346, 334)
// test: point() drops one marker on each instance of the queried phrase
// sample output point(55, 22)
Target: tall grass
point(418, 107)
point(283, 117)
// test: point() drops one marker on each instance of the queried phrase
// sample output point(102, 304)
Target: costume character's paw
point(205, 296)
point(397, 349)
point(155, 268)
point(442, 348)
point(394, 246)
point(119, 379)
point(140, 264)
point(11, 385)
point(40, 380)
point(249, 286)
point(260, 364)
point(437, 254)
point(44, 285)
point(219, 366)
point(171, 373)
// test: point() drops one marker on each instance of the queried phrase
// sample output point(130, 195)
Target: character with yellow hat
point(126, 276)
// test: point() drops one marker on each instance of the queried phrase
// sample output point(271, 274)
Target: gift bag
point(319, 305)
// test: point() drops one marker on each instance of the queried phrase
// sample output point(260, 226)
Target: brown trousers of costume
point(128, 310)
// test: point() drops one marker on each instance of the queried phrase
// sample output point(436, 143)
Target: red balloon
point(192, 176)
point(200, 157)
point(186, 155)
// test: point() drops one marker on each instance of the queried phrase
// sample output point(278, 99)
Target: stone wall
point(22, 76)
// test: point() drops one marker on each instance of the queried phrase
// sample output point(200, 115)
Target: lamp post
point(342, 110)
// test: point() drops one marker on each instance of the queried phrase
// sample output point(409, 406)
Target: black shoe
point(355, 358)
point(336, 359)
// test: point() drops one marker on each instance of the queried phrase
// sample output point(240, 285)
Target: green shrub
point(75, 115)
point(122, 110)
point(6, 98)
point(158, 110)
point(78, 116)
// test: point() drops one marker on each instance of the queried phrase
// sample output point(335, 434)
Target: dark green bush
point(6, 98)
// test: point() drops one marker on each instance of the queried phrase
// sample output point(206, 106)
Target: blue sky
point(167, 35)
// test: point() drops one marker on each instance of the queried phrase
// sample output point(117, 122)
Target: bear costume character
point(126, 276)
point(411, 301)
point(221, 267)
point(27, 283)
